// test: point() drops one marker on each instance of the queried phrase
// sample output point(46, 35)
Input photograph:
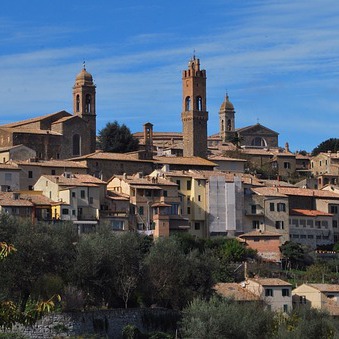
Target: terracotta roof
point(65, 119)
point(99, 155)
point(308, 213)
point(306, 192)
point(87, 178)
point(143, 182)
point(275, 183)
point(185, 174)
point(271, 282)
point(268, 191)
point(37, 199)
point(29, 130)
point(261, 234)
point(52, 163)
point(7, 199)
point(236, 291)
point(195, 161)
point(32, 120)
point(117, 196)
point(221, 158)
point(9, 166)
point(325, 287)
point(73, 180)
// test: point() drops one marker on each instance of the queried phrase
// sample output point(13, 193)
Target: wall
point(107, 323)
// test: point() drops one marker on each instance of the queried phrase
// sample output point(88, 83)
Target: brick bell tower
point(194, 115)
point(84, 103)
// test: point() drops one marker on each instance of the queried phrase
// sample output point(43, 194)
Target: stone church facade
point(59, 135)
point(256, 136)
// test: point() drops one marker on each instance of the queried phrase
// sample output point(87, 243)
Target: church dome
point(227, 105)
point(84, 77)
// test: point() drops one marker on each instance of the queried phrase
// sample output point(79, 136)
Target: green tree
point(108, 267)
point(173, 277)
point(10, 312)
point(331, 144)
point(222, 318)
point(294, 255)
point(42, 250)
point(116, 138)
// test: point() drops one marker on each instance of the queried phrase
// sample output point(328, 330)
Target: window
point(254, 209)
point(255, 224)
point(188, 210)
point(187, 103)
point(53, 172)
point(287, 165)
point(178, 183)
point(302, 299)
point(302, 236)
point(82, 194)
point(189, 185)
point(30, 188)
point(76, 144)
point(73, 194)
point(279, 225)
point(77, 109)
point(310, 223)
point(272, 206)
point(165, 193)
point(285, 308)
point(317, 224)
point(197, 226)
point(335, 224)
point(285, 292)
point(199, 197)
point(91, 200)
point(324, 223)
point(333, 209)
point(30, 174)
point(64, 211)
point(268, 292)
point(88, 103)
point(310, 236)
point(199, 103)
point(295, 222)
point(141, 210)
point(281, 207)
point(8, 176)
point(73, 212)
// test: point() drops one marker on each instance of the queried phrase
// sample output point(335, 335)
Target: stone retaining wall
point(105, 323)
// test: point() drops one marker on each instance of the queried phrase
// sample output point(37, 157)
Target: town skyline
point(276, 61)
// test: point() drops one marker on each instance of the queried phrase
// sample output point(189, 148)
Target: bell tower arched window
point(229, 125)
point(88, 103)
point(187, 103)
point(199, 103)
point(77, 103)
point(76, 144)
point(222, 125)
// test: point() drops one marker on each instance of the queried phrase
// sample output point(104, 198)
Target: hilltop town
point(239, 184)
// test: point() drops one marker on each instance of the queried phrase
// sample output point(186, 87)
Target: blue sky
point(278, 61)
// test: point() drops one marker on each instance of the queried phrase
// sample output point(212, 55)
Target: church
point(193, 141)
point(59, 135)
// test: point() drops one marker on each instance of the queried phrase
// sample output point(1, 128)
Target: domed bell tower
point(84, 103)
point(194, 115)
point(227, 120)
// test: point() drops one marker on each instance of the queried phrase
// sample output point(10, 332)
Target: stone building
point(59, 135)
point(194, 114)
point(256, 135)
